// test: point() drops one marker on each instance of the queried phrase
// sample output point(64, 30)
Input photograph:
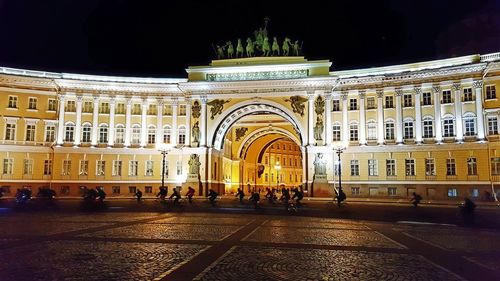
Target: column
point(128, 120)
point(310, 117)
point(437, 114)
point(60, 124)
point(345, 124)
point(95, 121)
point(418, 115)
point(399, 117)
point(380, 117)
point(111, 134)
point(478, 88)
point(188, 121)
point(144, 124)
point(78, 123)
point(159, 121)
point(174, 122)
point(362, 118)
point(328, 114)
point(459, 126)
point(203, 122)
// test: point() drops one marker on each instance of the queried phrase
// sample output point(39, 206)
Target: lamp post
point(277, 167)
point(339, 150)
point(164, 149)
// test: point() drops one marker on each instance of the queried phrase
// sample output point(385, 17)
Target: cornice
point(34, 83)
point(79, 86)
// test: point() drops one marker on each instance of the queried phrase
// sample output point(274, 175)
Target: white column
point(188, 122)
point(144, 124)
point(60, 124)
point(478, 88)
point(362, 118)
point(459, 126)
point(78, 123)
point(128, 120)
point(310, 117)
point(159, 121)
point(111, 132)
point(95, 121)
point(399, 117)
point(345, 123)
point(380, 117)
point(328, 114)
point(437, 114)
point(203, 122)
point(174, 122)
point(418, 115)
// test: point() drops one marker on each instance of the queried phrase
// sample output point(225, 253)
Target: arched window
point(136, 134)
point(167, 133)
point(449, 126)
point(371, 129)
point(69, 132)
point(151, 134)
point(119, 134)
point(86, 132)
point(353, 131)
point(469, 124)
point(182, 135)
point(389, 129)
point(428, 126)
point(103, 133)
point(408, 128)
point(336, 131)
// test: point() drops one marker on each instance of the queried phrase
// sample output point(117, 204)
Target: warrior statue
point(275, 48)
point(239, 49)
point(296, 48)
point(196, 133)
point(318, 129)
point(319, 165)
point(194, 164)
point(230, 49)
point(286, 46)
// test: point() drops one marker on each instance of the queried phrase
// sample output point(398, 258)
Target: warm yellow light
point(164, 147)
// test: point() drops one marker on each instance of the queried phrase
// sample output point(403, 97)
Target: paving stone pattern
point(44, 228)
point(314, 224)
point(209, 220)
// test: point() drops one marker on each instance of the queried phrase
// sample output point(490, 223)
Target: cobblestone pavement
point(229, 246)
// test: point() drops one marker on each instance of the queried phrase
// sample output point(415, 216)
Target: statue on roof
point(239, 49)
point(276, 47)
point(286, 46)
point(230, 49)
point(220, 52)
point(266, 49)
point(296, 48)
point(249, 48)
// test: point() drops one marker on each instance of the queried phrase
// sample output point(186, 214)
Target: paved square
point(82, 260)
point(202, 220)
point(249, 263)
point(314, 224)
point(44, 228)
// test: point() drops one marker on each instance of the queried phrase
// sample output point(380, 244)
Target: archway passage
point(262, 150)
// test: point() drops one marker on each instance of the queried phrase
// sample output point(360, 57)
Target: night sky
point(162, 38)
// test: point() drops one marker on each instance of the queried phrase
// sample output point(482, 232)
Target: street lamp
point(277, 167)
point(338, 149)
point(164, 149)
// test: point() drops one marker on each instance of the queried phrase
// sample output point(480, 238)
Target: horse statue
point(230, 49)
point(275, 48)
point(296, 48)
point(266, 49)
point(239, 49)
point(286, 46)
point(249, 47)
point(220, 52)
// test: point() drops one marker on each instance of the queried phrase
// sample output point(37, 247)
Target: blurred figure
point(138, 195)
point(415, 200)
point(212, 195)
point(190, 194)
point(240, 194)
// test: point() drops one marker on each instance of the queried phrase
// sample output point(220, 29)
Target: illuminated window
point(389, 102)
point(32, 103)
point(30, 132)
point(430, 169)
point(472, 166)
point(410, 167)
point(354, 167)
point(52, 105)
point(10, 131)
point(66, 167)
point(372, 167)
point(84, 168)
point(86, 132)
point(132, 168)
point(47, 167)
point(447, 96)
point(12, 102)
point(390, 166)
point(100, 167)
point(450, 167)
point(491, 92)
point(28, 167)
point(426, 98)
point(149, 167)
point(8, 166)
point(492, 125)
point(468, 94)
point(117, 168)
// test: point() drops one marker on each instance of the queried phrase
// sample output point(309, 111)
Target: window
point(408, 129)
point(495, 166)
point(64, 190)
point(84, 168)
point(410, 167)
point(167, 110)
point(152, 109)
point(371, 128)
point(353, 132)
point(119, 134)
point(468, 94)
point(30, 132)
point(136, 109)
point(66, 167)
point(50, 133)
point(354, 167)
point(428, 124)
point(12, 102)
point(336, 105)
point(104, 107)
point(52, 105)
point(115, 189)
point(151, 134)
point(426, 98)
point(179, 167)
point(32, 103)
point(355, 191)
point(372, 167)
point(69, 132)
point(450, 167)
point(353, 104)
point(448, 127)
point(336, 132)
point(491, 92)
point(472, 166)
point(136, 134)
point(148, 189)
point(452, 192)
point(132, 189)
point(100, 168)
point(132, 168)
point(407, 100)
point(47, 167)
point(120, 108)
point(392, 191)
point(182, 110)
point(86, 132)
point(149, 167)
point(474, 192)
point(28, 167)
point(470, 125)
point(430, 169)
point(370, 103)
point(117, 168)
point(88, 107)
point(389, 102)
point(390, 166)
point(447, 96)
point(389, 130)
point(10, 131)
point(182, 135)
point(103, 133)
point(492, 125)
point(8, 166)
point(167, 131)
point(70, 106)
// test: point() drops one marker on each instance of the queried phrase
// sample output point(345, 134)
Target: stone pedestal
point(321, 187)
point(193, 180)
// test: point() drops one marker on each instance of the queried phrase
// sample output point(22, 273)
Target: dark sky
point(162, 38)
